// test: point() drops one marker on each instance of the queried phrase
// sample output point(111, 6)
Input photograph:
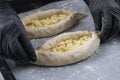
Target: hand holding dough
point(50, 22)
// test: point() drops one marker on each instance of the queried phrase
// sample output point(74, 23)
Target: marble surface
point(102, 65)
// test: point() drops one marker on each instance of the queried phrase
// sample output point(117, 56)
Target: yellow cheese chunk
point(69, 44)
point(54, 19)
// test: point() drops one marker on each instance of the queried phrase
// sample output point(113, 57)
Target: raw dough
point(58, 51)
point(50, 22)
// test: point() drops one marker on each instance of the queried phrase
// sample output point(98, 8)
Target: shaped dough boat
point(50, 22)
point(67, 48)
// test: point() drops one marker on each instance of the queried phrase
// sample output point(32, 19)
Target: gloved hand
point(14, 44)
point(106, 14)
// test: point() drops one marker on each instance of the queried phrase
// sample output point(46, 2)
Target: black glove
point(26, 5)
point(14, 44)
point(5, 70)
point(106, 14)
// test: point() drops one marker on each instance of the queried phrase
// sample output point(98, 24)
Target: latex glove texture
point(14, 43)
point(106, 15)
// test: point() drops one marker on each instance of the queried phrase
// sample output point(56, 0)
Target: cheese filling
point(50, 20)
point(69, 44)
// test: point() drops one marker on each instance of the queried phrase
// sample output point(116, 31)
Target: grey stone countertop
point(102, 65)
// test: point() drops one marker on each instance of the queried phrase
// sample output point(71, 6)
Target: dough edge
point(63, 25)
point(70, 57)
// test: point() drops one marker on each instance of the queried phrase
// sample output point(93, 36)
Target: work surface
point(102, 65)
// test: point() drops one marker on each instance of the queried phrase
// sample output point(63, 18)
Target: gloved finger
point(18, 51)
point(12, 56)
point(115, 29)
point(3, 41)
point(106, 26)
point(7, 51)
point(115, 11)
point(97, 19)
point(118, 2)
point(4, 48)
point(10, 29)
point(11, 34)
point(6, 31)
point(25, 42)
point(27, 46)
point(87, 1)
